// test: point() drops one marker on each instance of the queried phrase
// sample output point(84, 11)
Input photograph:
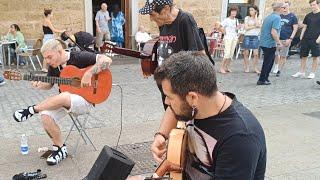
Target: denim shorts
point(250, 42)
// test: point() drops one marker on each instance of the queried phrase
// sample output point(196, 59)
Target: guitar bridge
point(95, 84)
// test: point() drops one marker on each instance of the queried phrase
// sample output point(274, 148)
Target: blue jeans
point(250, 42)
point(268, 60)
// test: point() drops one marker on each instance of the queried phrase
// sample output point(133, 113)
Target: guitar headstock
point(108, 47)
point(13, 75)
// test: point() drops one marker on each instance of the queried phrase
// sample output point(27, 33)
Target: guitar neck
point(47, 79)
point(131, 53)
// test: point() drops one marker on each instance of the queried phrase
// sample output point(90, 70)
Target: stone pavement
point(288, 111)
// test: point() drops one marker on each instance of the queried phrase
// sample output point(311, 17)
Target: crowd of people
point(274, 35)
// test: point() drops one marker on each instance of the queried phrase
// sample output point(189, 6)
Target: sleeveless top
point(47, 30)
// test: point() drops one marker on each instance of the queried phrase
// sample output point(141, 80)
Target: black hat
point(150, 5)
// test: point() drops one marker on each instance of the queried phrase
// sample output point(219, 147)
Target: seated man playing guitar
point(55, 108)
point(225, 140)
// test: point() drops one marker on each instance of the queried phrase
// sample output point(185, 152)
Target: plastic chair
point(240, 50)
point(81, 129)
point(32, 52)
point(80, 125)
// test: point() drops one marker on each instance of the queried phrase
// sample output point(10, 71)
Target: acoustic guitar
point(148, 56)
point(70, 81)
point(176, 152)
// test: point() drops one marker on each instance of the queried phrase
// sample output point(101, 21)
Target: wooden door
point(127, 11)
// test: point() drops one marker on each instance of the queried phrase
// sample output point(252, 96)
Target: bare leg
point(303, 64)
point(282, 62)
point(223, 66)
point(246, 60)
point(228, 62)
point(55, 102)
point(256, 60)
point(52, 130)
point(315, 64)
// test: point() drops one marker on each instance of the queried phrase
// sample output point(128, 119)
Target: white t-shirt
point(252, 22)
point(142, 37)
point(230, 26)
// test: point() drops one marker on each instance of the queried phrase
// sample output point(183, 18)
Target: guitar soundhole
point(76, 82)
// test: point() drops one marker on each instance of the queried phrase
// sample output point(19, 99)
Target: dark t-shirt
point(287, 22)
point(80, 59)
point(181, 34)
point(238, 144)
point(313, 25)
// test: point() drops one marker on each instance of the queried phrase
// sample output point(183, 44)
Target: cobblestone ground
point(141, 99)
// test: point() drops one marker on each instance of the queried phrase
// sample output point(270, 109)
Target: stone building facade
point(28, 14)
point(79, 14)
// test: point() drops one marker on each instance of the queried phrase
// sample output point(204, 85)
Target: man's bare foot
point(222, 71)
point(228, 70)
point(246, 70)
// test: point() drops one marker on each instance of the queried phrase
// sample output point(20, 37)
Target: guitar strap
point(199, 160)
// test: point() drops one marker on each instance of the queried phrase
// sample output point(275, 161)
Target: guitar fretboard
point(47, 79)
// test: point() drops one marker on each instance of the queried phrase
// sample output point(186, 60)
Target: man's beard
point(186, 112)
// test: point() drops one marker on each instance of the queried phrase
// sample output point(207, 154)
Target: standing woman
point(118, 21)
point(230, 27)
point(48, 31)
point(252, 25)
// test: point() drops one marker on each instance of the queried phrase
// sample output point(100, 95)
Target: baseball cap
point(150, 5)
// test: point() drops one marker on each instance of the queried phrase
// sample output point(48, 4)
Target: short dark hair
point(255, 7)
point(188, 71)
point(311, 1)
point(47, 12)
point(16, 27)
point(232, 8)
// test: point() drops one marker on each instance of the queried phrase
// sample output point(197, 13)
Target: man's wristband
point(161, 134)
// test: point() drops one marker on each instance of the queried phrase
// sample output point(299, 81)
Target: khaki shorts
point(284, 51)
point(229, 48)
point(101, 37)
point(78, 106)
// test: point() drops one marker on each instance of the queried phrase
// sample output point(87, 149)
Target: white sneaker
point(299, 74)
point(276, 68)
point(311, 76)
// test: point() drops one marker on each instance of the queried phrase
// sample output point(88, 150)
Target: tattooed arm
point(103, 62)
